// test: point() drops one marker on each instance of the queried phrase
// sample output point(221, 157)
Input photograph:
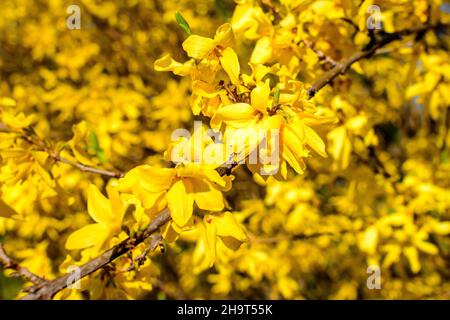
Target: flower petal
point(88, 236)
point(230, 63)
point(207, 197)
point(198, 47)
point(181, 201)
point(99, 207)
point(260, 97)
point(166, 63)
point(237, 115)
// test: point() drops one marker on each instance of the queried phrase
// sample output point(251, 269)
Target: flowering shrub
point(214, 149)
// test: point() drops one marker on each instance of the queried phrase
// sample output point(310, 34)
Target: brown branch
point(320, 54)
point(56, 285)
point(85, 168)
point(20, 271)
point(155, 240)
point(50, 288)
point(381, 39)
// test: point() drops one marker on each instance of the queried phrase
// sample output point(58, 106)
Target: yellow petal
point(117, 205)
point(228, 226)
point(88, 236)
point(99, 207)
point(262, 52)
point(230, 63)
point(340, 146)
point(214, 176)
point(207, 197)
point(238, 115)
point(210, 238)
point(293, 150)
point(204, 89)
point(155, 179)
point(427, 247)
point(413, 258)
point(198, 47)
point(7, 102)
point(260, 97)
point(315, 141)
point(166, 63)
point(224, 36)
point(180, 201)
point(369, 240)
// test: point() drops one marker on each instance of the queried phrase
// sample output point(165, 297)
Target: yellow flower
point(199, 47)
point(107, 214)
point(244, 115)
point(223, 226)
point(178, 189)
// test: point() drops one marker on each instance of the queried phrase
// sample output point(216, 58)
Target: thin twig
point(382, 39)
point(86, 168)
point(154, 242)
point(320, 54)
point(50, 288)
point(20, 271)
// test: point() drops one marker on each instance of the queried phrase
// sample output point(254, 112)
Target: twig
point(50, 288)
point(86, 168)
point(320, 54)
point(382, 39)
point(20, 271)
point(56, 285)
point(155, 240)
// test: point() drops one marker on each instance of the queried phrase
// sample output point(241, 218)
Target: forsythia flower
point(107, 213)
point(177, 189)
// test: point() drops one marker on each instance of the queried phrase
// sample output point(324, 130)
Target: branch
point(85, 168)
point(56, 285)
point(23, 272)
point(320, 54)
point(381, 39)
point(50, 288)
point(155, 240)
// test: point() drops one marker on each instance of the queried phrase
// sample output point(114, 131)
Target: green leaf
point(183, 23)
point(94, 147)
point(276, 96)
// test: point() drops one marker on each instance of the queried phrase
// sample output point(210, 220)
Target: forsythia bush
point(98, 184)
